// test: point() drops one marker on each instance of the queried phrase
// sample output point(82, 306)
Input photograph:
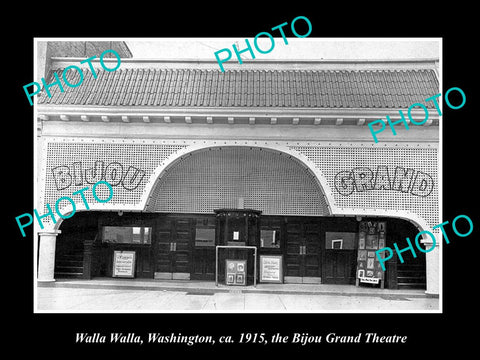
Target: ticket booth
point(239, 231)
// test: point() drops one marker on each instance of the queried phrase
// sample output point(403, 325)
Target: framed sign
point(271, 268)
point(337, 244)
point(124, 264)
point(236, 272)
point(371, 237)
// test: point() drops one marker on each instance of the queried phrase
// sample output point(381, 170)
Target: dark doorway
point(302, 253)
point(173, 248)
point(340, 238)
point(203, 267)
point(340, 257)
point(339, 267)
point(182, 246)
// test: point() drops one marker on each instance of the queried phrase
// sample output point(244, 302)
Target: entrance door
point(173, 248)
point(144, 262)
point(340, 257)
point(302, 252)
point(204, 249)
point(340, 267)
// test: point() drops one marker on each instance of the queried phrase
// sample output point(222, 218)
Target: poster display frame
point(370, 235)
point(236, 276)
point(115, 272)
point(263, 278)
point(254, 248)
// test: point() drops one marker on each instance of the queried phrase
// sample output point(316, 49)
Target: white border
point(228, 41)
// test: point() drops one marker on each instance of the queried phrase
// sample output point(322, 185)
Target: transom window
point(127, 235)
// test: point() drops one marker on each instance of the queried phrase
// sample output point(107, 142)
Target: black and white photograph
point(160, 161)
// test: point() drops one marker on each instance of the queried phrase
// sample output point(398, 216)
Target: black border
point(45, 334)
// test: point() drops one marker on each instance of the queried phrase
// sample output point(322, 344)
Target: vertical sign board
point(271, 268)
point(371, 237)
point(124, 264)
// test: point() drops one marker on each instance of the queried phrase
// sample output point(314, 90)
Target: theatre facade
point(268, 164)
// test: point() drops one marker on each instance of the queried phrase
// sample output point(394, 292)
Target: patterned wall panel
point(388, 178)
point(269, 181)
point(72, 164)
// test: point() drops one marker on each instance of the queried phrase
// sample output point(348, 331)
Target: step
point(60, 274)
point(68, 266)
point(60, 262)
point(411, 279)
point(414, 271)
point(412, 285)
point(70, 256)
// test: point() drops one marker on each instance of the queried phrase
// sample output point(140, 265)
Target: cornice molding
point(249, 115)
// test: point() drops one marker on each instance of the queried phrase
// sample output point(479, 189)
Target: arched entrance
point(219, 177)
point(267, 180)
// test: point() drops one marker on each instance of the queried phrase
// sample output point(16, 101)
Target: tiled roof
point(247, 88)
point(87, 48)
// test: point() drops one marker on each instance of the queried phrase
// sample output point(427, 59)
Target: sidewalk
point(133, 295)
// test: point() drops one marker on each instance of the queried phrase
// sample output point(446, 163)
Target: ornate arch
point(287, 156)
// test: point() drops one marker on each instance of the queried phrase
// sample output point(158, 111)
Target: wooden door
point(293, 249)
point(163, 249)
point(203, 264)
point(203, 267)
point(302, 251)
point(339, 266)
point(182, 241)
point(311, 252)
point(143, 266)
point(173, 248)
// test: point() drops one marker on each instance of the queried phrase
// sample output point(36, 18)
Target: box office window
point(204, 237)
point(270, 239)
point(127, 235)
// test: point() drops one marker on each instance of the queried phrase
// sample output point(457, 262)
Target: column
point(433, 268)
point(46, 256)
